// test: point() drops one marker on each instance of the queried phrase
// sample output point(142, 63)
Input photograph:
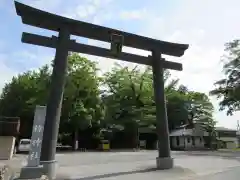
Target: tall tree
point(201, 107)
point(129, 95)
point(202, 113)
point(20, 96)
point(130, 99)
point(82, 102)
point(228, 89)
point(176, 108)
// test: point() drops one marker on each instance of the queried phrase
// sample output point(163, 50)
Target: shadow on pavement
point(175, 172)
point(117, 174)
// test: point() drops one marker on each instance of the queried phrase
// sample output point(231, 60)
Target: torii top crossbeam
point(42, 19)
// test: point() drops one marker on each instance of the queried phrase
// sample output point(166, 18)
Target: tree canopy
point(127, 103)
point(227, 89)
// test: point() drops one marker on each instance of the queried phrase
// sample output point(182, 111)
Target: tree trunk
point(75, 140)
point(137, 137)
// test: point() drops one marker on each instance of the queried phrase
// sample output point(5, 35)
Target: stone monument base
point(164, 163)
point(28, 172)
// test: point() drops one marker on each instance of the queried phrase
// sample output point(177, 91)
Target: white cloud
point(6, 72)
point(25, 54)
point(47, 5)
point(107, 16)
point(28, 60)
point(83, 12)
point(133, 15)
point(206, 26)
point(89, 9)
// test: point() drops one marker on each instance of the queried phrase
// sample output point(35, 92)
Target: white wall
point(231, 142)
point(187, 144)
point(231, 145)
point(181, 142)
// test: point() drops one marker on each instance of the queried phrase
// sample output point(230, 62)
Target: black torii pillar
point(164, 160)
point(54, 104)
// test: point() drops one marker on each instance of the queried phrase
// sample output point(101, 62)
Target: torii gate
point(63, 44)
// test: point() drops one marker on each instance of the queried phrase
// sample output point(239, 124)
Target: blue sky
point(205, 25)
point(10, 33)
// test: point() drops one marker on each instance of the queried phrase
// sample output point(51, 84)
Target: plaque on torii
point(118, 39)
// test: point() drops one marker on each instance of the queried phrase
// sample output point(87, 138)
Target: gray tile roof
point(224, 129)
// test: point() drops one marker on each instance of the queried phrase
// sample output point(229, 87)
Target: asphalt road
point(141, 165)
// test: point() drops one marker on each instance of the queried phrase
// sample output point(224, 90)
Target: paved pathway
point(141, 165)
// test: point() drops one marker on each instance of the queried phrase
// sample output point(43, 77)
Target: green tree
point(202, 113)
point(201, 107)
point(20, 96)
point(82, 103)
point(177, 110)
point(130, 99)
point(228, 89)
